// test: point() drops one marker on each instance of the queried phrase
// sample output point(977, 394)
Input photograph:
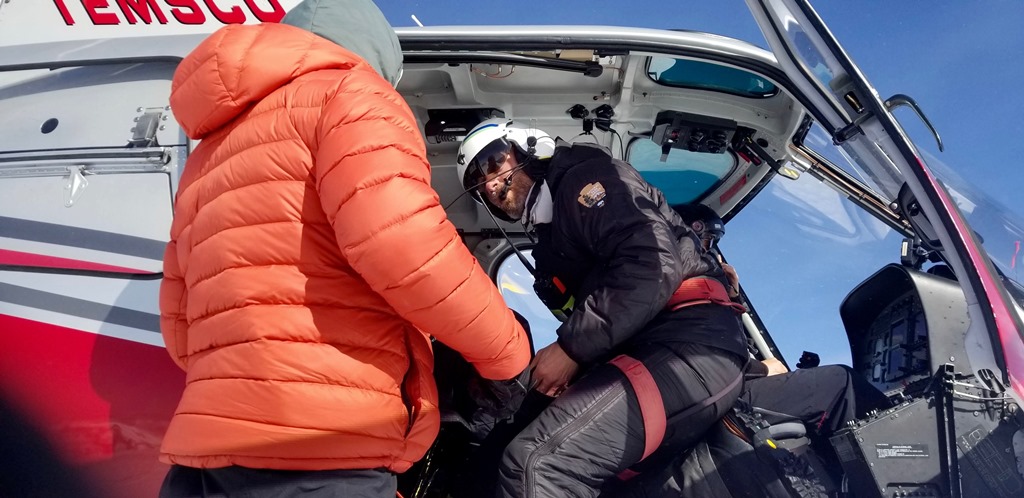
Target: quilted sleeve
point(373, 179)
point(173, 324)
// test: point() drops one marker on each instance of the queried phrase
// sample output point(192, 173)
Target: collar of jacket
point(568, 155)
point(357, 25)
point(539, 205)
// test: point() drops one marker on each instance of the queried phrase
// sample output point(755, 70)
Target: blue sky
point(960, 60)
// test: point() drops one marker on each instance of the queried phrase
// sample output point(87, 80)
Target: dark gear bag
point(742, 455)
point(467, 398)
point(471, 407)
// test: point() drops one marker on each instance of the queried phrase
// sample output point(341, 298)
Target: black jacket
point(621, 251)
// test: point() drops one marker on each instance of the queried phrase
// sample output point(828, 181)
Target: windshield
point(516, 285)
point(687, 73)
point(1001, 229)
point(800, 247)
point(682, 176)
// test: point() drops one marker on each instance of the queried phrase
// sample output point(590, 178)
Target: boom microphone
point(504, 188)
point(508, 183)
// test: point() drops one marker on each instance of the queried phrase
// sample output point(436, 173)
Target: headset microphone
point(531, 148)
point(504, 188)
point(508, 182)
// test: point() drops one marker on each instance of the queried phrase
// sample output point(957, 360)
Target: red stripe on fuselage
point(103, 402)
point(1006, 328)
point(17, 258)
point(729, 194)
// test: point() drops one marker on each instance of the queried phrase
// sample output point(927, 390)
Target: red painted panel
point(17, 258)
point(1010, 337)
point(104, 403)
point(729, 194)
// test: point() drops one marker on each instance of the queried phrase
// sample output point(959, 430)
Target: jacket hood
point(239, 65)
point(357, 25)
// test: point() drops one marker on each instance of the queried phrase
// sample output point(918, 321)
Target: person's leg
point(662, 473)
point(824, 398)
point(242, 482)
point(705, 375)
point(577, 443)
point(595, 430)
point(183, 482)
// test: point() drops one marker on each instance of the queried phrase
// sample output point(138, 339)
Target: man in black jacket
point(650, 352)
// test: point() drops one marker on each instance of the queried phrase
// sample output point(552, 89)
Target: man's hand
point(775, 366)
point(552, 370)
point(734, 279)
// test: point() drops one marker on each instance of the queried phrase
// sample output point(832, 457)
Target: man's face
point(511, 200)
point(705, 235)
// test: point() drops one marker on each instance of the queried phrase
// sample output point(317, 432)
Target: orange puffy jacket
point(309, 263)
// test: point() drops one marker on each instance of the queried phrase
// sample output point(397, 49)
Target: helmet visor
point(486, 163)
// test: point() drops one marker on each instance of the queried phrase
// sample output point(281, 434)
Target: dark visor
point(487, 162)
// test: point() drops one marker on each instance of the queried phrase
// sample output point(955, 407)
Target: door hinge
point(75, 185)
point(146, 126)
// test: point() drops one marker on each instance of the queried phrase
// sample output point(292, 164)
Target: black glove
point(501, 398)
point(808, 360)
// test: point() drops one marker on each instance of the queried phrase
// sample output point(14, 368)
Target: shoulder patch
point(592, 195)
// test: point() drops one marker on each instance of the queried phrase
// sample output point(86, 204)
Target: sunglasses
point(487, 162)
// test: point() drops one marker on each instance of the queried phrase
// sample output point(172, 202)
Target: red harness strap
point(702, 290)
point(652, 408)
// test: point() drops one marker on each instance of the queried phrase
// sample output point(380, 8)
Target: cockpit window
point(685, 73)
point(683, 176)
point(516, 286)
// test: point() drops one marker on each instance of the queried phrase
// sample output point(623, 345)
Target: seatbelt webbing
point(654, 417)
point(652, 408)
point(702, 290)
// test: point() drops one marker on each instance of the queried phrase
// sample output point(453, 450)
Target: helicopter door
point(850, 110)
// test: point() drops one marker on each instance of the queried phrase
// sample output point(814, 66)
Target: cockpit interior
point(705, 119)
point(715, 127)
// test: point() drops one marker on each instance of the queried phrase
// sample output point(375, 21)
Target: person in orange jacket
point(310, 264)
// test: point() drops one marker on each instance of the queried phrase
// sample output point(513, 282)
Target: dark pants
point(242, 482)
point(824, 398)
point(595, 429)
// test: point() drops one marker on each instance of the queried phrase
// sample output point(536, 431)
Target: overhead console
point(452, 125)
point(692, 132)
point(712, 135)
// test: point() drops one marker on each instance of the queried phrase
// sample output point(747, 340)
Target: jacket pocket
point(409, 386)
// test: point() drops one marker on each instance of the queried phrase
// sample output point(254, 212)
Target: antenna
point(415, 20)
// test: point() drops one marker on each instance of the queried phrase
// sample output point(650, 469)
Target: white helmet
point(488, 144)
